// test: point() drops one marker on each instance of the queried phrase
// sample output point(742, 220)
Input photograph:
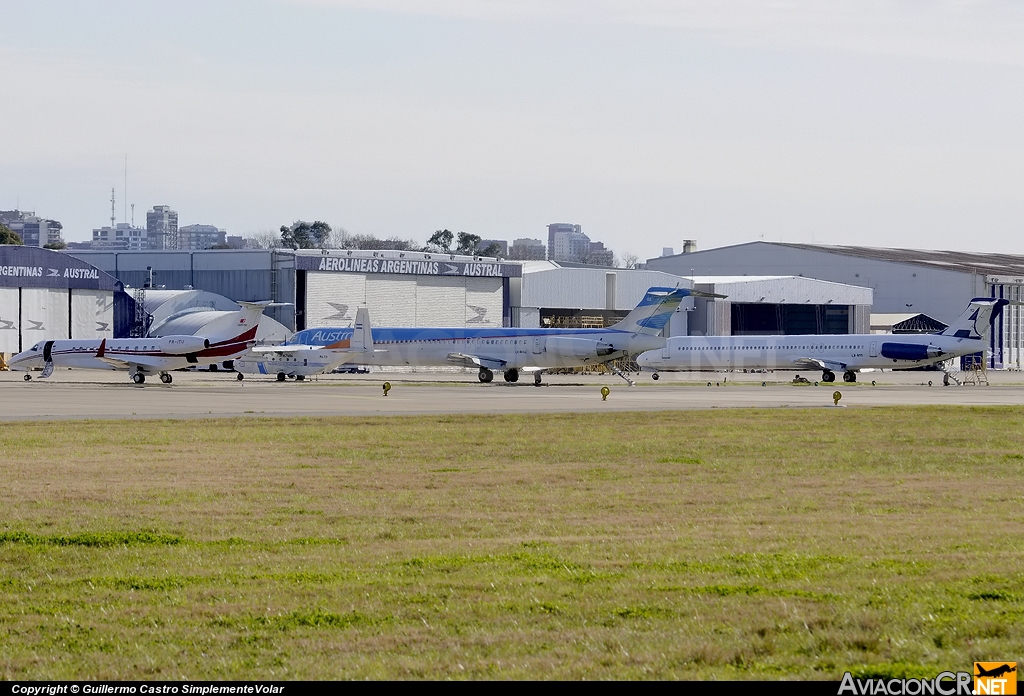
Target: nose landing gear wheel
point(240, 377)
point(850, 376)
point(511, 375)
point(281, 377)
point(655, 376)
point(485, 375)
point(828, 376)
point(139, 378)
point(28, 378)
point(165, 378)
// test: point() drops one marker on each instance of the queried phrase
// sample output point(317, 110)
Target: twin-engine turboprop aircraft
point(220, 336)
point(846, 353)
point(510, 351)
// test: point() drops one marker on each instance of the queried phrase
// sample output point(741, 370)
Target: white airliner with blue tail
point(508, 350)
point(846, 353)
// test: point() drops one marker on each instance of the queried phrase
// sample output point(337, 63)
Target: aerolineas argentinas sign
point(353, 264)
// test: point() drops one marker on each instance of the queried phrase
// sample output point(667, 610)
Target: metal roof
point(963, 261)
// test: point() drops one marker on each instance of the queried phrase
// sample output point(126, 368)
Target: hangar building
point(554, 294)
point(46, 294)
point(936, 283)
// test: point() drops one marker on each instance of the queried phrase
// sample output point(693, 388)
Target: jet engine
point(910, 351)
point(180, 345)
point(571, 346)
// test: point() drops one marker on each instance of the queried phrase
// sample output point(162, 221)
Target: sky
point(646, 122)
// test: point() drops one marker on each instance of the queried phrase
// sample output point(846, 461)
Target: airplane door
point(538, 344)
point(666, 351)
point(874, 349)
point(48, 351)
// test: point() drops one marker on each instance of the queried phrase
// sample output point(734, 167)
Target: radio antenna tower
point(126, 187)
point(113, 221)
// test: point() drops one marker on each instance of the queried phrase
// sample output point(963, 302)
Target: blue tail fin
point(652, 314)
point(975, 321)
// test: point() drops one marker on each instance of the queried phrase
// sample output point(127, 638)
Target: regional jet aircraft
point(220, 336)
point(509, 350)
point(829, 353)
point(300, 361)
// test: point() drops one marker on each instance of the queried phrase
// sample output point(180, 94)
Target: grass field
point(731, 544)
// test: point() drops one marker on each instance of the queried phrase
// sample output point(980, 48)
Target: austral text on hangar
point(340, 264)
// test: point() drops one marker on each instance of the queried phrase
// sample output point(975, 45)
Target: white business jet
point(846, 353)
point(220, 336)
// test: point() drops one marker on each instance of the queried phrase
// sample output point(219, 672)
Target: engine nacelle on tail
point(571, 346)
point(910, 351)
point(180, 345)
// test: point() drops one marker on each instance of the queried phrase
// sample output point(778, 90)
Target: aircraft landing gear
point(536, 378)
point(165, 378)
point(655, 377)
point(240, 377)
point(828, 376)
point(511, 375)
point(299, 378)
point(139, 378)
point(28, 378)
point(850, 376)
point(280, 376)
point(485, 375)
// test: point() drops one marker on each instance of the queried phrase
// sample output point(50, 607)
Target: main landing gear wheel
point(139, 378)
point(165, 378)
point(280, 376)
point(828, 376)
point(485, 375)
point(240, 377)
point(536, 379)
point(850, 376)
point(655, 376)
point(511, 375)
point(299, 378)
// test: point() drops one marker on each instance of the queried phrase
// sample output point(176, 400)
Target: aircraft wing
point(818, 364)
point(144, 361)
point(476, 361)
point(284, 349)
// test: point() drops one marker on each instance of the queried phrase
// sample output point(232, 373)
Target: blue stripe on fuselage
point(326, 336)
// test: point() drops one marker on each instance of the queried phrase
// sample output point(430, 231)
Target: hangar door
point(45, 315)
point(399, 300)
point(92, 314)
point(10, 327)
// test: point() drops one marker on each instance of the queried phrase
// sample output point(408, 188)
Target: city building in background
point(34, 231)
point(162, 227)
point(555, 228)
point(526, 249)
point(120, 236)
point(201, 237)
point(502, 246)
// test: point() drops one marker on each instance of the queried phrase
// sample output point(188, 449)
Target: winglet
point(102, 349)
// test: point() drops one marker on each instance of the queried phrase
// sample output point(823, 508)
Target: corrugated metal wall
point(92, 314)
point(10, 327)
point(332, 300)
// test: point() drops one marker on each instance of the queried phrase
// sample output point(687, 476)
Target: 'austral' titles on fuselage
point(516, 348)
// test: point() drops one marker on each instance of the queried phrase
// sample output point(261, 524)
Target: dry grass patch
point(742, 543)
